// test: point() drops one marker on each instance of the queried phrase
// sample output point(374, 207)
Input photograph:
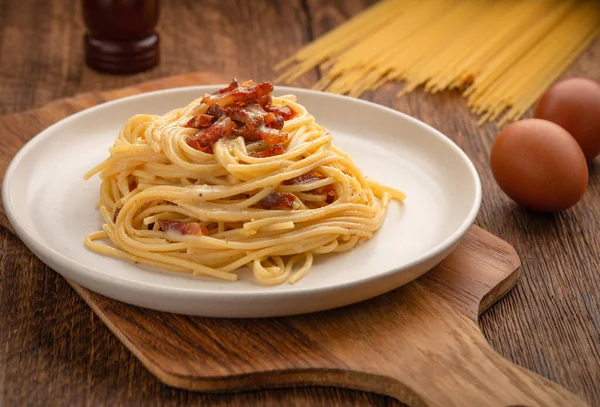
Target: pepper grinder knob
point(121, 36)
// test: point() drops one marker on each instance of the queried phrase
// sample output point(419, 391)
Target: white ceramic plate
point(52, 209)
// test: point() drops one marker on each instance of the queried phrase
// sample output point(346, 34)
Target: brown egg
point(574, 104)
point(539, 165)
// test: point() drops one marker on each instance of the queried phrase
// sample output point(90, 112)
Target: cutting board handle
point(457, 366)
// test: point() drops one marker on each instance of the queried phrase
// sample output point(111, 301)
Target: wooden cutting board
point(420, 343)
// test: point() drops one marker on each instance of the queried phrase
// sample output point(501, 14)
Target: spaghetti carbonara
point(236, 178)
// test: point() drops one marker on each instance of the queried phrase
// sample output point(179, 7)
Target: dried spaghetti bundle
point(503, 54)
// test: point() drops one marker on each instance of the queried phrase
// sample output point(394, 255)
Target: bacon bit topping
point(248, 106)
point(215, 111)
point(196, 146)
point(185, 228)
point(274, 122)
point(207, 119)
point(257, 124)
point(329, 193)
point(203, 140)
point(265, 101)
point(285, 112)
point(238, 197)
point(200, 122)
point(269, 136)
point(302, 179)
point(277, 200)
point(116, 214)
point(253, 116)
point(327, 190)
point(278, 138)
point(277, 149)
point(235, 94)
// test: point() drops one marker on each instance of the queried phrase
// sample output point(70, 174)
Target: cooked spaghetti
point(237, 178)
point(502, 54)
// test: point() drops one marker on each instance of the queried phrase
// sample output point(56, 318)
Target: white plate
point(52, 209)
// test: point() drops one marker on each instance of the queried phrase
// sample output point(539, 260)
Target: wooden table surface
point(54, 351)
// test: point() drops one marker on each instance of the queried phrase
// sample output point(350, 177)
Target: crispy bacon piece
point(215, 111)
point(238, 197)
point(274, 138)
point(244, 110)
point(185, 228)
point(277, 149)
point(253, 116)
point(285, 112)
point(265, 100)
point(203, 140)
point(329, 192)
point(269, 136)
point(274, 121)
point(277, 200)
point(304, 178)
point(222, 127)
point(239, 95)
point(248, 134)
point(207, 119)
point(255, 124)
point(200, 122)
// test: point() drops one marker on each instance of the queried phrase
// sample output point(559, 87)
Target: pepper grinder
point(121, 35)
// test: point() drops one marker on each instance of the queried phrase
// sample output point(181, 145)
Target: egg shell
point(539, 165)
point(574, 104)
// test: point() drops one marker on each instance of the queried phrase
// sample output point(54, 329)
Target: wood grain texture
point(53, 349)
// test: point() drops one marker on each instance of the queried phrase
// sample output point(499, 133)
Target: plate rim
point(134, 287)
